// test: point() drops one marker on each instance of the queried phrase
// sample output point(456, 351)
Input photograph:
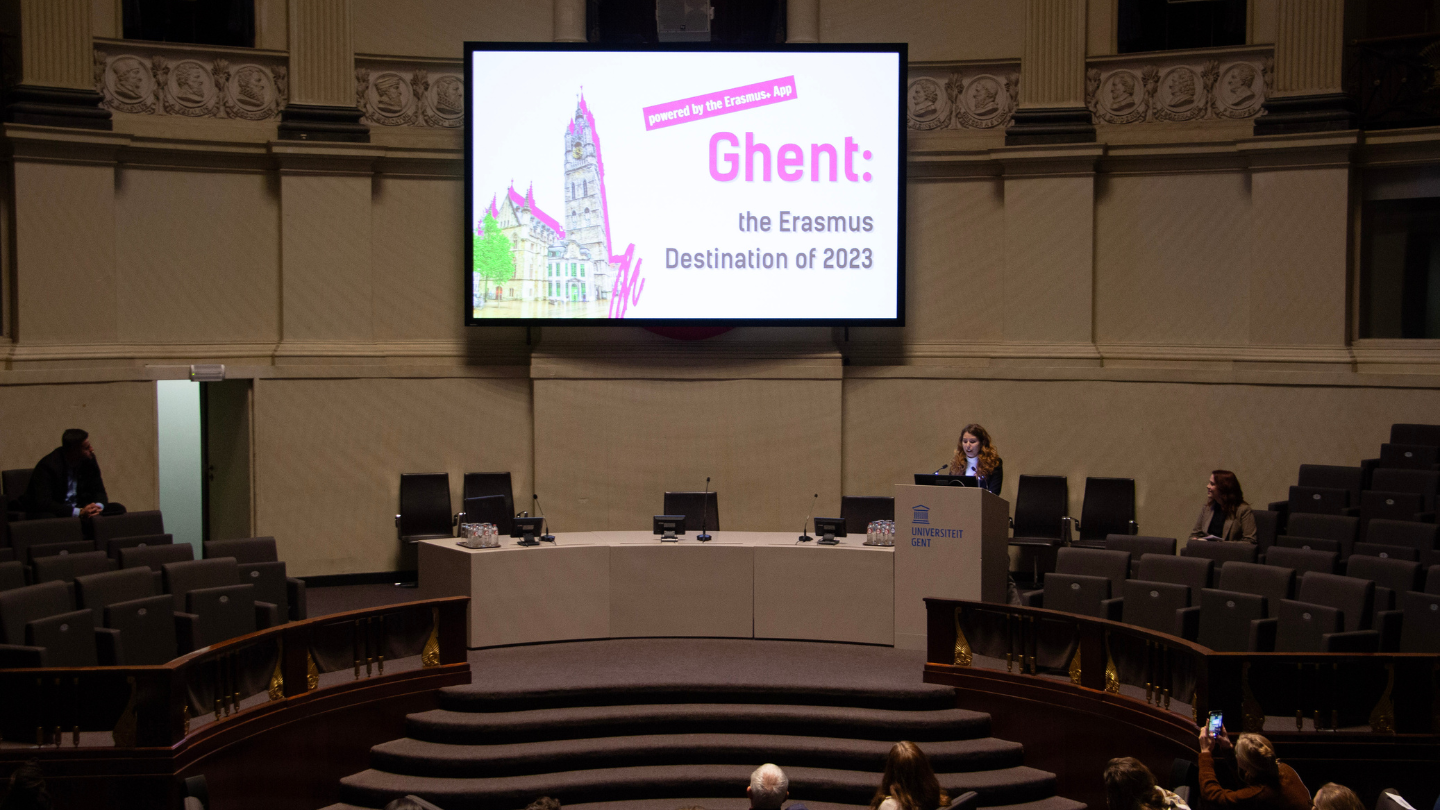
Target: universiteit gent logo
point(922, 515)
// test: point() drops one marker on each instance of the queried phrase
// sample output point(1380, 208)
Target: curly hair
point(988, 459)
point(1228, 495)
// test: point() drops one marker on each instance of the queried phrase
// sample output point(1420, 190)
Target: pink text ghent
point(726, 158)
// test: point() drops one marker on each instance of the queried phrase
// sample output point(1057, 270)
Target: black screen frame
point(900, 49)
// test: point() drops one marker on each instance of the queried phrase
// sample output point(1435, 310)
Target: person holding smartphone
point(1265, 783)
point(1225, 515)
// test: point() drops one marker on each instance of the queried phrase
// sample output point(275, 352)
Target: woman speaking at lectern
point(975, 455)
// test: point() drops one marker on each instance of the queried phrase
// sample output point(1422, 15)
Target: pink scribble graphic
point(629, 283)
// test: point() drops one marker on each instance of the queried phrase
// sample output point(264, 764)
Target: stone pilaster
point(1309, 58)
point(1052, 90)
point(802, 21)
point(57, 83)
point(570, 21)
point(322, 75)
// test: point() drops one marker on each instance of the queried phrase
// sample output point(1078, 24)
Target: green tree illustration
point(493, 260)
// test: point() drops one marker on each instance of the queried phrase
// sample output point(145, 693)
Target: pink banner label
point(719, 103)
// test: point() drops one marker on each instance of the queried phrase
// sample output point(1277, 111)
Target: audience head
point(909, 780)
point(26, 789)
point(75, 443)
point(411, 803)
point(1331, 796)
point(1224, 491)
point(544, 803)
point(768, 787)
point(1255, 759)
point(1129, 785)
point(974, 443)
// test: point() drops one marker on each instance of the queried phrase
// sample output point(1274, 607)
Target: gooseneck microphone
point(704, 513)
point(942, 466)
point(805, 538)
point(547, 536)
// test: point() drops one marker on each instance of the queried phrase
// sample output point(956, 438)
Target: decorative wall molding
point(1213, 84)
point(148, 78)
point(410, 93)
point(962, 95)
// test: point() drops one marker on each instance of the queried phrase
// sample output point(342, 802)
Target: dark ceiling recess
point(210, 22)
point(1163, 25)
point(736, 22)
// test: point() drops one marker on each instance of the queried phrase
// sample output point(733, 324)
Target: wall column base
point(315, 122)
point(56, 107)
point(1311, 113)
point(1041, 125)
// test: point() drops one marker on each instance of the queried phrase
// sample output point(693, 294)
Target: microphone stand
point(704, 513)
point(547, 537)
point(805, 538)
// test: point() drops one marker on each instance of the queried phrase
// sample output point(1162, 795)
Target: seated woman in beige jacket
point(1226, 515)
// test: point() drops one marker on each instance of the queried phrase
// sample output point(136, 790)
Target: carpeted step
point(1000, 786)
point(485, 728)
point(473, 698)
point(422, 758)
point(1052, 803)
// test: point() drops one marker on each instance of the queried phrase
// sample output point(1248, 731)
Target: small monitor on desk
point(527, 528)
point(926, 479)
point(669, 526)
point(829, 529)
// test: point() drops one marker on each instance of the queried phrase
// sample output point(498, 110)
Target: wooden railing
point(169, 705)
point(1379, 693)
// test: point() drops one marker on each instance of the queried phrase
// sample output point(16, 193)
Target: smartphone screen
point(1216, 724)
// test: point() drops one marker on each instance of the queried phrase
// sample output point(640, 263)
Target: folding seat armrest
point(1262, 634)
point(1367, 468)
point(1278, 506)
point(107, 647)
point(1133, 527)
point(1068, 527)
point(1387, 622)
point(295, 590)
point(1351, 511)
point(1425, 517)
point(19, 656)
point(1187, 623)
point(7, 554)
point(159, 580)
point(1033, 599)
point(187, 632)
point(1359, 641)
point(1112, 609)
point(267, 615)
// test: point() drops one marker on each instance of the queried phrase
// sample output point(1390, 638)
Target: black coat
point(993, 480)
point(51, 479)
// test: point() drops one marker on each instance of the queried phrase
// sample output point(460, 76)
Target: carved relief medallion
point(189, 89)
point(981, 102)
point(1240, 91)
point(1120, 98)
point(1180, 95)
point(927, 104)
point(129, 85)
point(389, 100)
point(250, 94)
point(445, 102)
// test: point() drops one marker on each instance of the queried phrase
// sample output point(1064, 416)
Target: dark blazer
point(51, 478)
point(992, 481)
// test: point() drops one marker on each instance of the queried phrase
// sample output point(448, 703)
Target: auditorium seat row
point(1378, 605)
point(159, 602)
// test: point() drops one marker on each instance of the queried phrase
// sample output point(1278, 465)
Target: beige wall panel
point(955, 284)
point(119, 416)
point(607, 450)
point(935, 29)
point(197, 256)
point(419, 277)
point(64, 253)
point(325, 243)
point(329, 454)
point(439, 28)
point(1049, 242)
point(1170, 261)
point(1168, 437)
point(1298, 281)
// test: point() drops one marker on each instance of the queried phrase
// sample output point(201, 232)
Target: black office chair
point(859, 511)
point(479, 485)
point(695, 506)
point(424, 507)
point(489, 509)
point(1108, 508)
point(1041, 523)
point(14, 482)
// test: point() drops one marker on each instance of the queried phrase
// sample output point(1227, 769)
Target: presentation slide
point(684, 185)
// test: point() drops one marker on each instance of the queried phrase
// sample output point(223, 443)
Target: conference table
point(619, 584)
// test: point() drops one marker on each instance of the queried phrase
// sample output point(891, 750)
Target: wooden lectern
point(950, 542)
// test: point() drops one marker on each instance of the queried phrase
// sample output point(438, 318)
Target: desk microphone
point(805, 538)
point(547, 537)
point(942, 466)
point(704, 512)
